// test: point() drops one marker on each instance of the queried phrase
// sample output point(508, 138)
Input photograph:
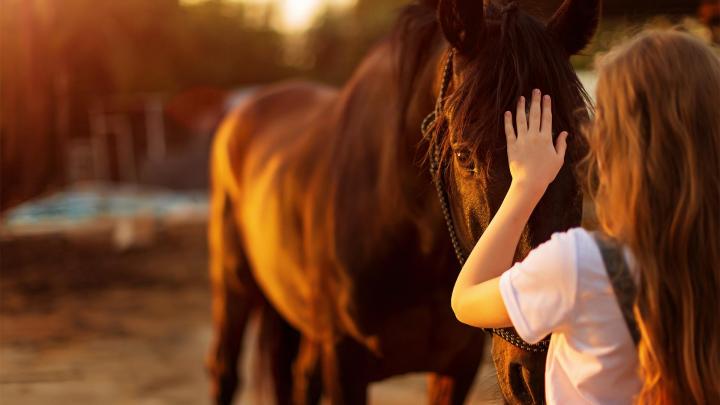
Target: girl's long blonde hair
point(654, 173)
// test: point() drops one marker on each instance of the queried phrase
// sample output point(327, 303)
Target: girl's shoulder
point(566, 250)
point(577, 257)
point(571, 241)
point(575, 238)
point(587, 261)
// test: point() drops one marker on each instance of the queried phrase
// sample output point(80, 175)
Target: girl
point(654, 166)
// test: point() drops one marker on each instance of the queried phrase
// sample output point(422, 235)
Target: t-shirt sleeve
point(539, 292)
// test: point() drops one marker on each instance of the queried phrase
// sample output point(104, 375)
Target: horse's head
point(500, 53)
point(495, 55)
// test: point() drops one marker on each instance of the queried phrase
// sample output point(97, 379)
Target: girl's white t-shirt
point(562, 288)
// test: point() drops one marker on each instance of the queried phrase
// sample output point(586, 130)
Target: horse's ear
point(574, 23)
point(462, 22)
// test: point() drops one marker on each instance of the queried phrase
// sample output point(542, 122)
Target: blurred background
point(107, 111)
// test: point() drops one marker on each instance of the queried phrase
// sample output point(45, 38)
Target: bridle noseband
point(428, 124)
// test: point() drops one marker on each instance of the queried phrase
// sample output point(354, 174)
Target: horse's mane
point(363, 203)
point(366, 162)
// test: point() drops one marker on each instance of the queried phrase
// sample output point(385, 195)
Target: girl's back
point(654, 164)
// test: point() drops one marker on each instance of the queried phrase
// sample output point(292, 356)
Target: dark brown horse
point(500, 54)
point(323, 218)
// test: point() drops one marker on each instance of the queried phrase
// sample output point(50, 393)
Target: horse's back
point(271, 119)
point(264, 154)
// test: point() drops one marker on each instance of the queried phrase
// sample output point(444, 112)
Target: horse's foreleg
point(278, 344)
point(452, 387)
point(230, 314)
point(307, 374)
point(231, 301)
point(345, 372)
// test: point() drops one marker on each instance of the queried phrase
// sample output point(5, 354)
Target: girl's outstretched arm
point(534, 163)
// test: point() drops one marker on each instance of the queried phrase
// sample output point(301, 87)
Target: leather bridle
point(428, 124)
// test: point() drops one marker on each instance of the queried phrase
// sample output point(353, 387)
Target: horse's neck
point(375, 175)
point(371, 104)
point(378, 125)
point(425, 88)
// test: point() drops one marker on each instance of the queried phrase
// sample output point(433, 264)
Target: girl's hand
point(534, 160)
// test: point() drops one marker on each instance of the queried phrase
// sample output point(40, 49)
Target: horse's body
point(365, 276)
point(269, 176)
point(323, 217)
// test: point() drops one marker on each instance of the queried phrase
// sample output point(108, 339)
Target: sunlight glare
point(299, 14)
point(294, 15)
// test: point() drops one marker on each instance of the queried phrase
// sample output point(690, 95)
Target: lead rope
point(509, 335)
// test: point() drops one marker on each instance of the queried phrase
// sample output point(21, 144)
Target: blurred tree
point(338, 42)
point(58, 58)
point(26, 111)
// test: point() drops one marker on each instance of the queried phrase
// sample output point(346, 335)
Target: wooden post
point(99, 142)
point(155, 129)
point(125, 147)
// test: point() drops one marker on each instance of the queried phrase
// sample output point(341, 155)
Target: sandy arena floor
point(83, 324)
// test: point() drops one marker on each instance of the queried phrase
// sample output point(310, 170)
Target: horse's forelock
point(516, 56)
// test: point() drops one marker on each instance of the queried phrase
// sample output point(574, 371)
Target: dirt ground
point(81, 323)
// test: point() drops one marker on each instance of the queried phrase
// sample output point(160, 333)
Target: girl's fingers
point(521, 118)
point(546, 126)
point(509, 130)
point(561, 144)
point(535, 112)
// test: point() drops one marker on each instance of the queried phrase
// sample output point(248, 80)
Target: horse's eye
point(465, 159)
